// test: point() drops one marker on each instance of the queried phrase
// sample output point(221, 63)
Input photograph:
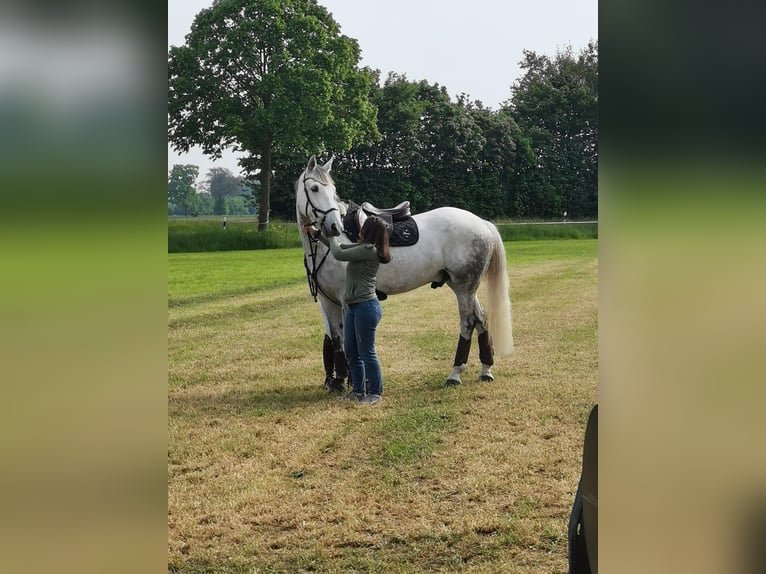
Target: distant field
point(269, 473)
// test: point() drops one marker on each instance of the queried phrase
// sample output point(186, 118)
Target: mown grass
point(199, 276)
point(269, 473)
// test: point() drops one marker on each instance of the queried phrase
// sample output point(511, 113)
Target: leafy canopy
point(265, 76)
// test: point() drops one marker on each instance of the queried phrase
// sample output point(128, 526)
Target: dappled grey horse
point(454, 247)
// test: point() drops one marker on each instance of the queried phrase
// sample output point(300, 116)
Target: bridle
point(313, 271)
point(314, 209)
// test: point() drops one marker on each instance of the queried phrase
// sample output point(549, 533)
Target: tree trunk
point(265, 178)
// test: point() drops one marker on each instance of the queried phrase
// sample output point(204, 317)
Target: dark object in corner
point(583, 522)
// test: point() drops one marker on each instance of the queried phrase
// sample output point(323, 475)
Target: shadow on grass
point(249, 402)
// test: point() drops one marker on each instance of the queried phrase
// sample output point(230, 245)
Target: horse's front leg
point(335, 365)
point(341, 366)
point(333, 355)
point(328, 359)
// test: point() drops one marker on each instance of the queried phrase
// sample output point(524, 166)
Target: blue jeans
point(361, 320)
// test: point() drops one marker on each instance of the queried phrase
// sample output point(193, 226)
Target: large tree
point(271, 78)
point(556, 105)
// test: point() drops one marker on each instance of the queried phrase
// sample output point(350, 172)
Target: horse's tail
point(498, 298)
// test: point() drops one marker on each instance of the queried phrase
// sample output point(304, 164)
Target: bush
point(534, 231)
point(208, 234)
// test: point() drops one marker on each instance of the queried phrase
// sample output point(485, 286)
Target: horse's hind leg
point(472, 317)
point(467, 306)
point(461, 358)
point(486, 356)
point(486, 350)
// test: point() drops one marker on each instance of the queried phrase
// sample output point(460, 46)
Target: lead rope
point(313, 274)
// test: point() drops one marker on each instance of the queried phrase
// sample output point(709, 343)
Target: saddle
point(402, 229)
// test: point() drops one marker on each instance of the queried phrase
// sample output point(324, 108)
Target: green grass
point(203, 276)
point(199, 276)
point(412, 434)
point(269, 473)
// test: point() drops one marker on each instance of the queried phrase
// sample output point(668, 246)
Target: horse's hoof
point(336, 386)
point(486, 378)
point(453, 382)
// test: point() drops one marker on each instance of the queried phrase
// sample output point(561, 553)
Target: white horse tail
point(498, 298)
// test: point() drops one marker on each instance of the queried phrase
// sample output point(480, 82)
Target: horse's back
point(451, 225)
point(451, 222)
point(450, 239)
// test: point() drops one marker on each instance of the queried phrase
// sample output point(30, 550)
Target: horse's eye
point(315, 188)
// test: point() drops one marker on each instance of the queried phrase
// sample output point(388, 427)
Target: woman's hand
point(310, 230)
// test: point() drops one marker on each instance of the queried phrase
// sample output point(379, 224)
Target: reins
point(312, 273)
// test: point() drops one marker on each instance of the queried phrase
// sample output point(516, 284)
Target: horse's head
point(315, 199)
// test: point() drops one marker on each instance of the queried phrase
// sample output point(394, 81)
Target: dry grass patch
point(267, 473)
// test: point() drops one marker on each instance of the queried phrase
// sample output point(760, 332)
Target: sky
point(469, 47)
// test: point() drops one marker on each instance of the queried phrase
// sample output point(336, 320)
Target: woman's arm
point(360, 252)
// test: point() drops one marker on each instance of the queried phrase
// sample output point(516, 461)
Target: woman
point(362, 310)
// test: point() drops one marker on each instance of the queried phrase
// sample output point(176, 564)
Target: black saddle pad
point(404, 234)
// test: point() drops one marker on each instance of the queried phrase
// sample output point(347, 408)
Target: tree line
point(279, 82)
point(219, 193)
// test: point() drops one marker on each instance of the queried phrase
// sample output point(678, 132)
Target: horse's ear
point(312, 163)
point(328, 165)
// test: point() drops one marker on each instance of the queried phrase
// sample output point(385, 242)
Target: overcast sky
point(471, 47)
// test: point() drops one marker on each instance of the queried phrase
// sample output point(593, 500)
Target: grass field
point(269, 473)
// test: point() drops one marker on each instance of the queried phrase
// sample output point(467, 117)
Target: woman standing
point(362, 310)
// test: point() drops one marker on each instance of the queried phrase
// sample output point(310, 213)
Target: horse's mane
point(342, 206)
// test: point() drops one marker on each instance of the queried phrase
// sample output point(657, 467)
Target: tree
point(181, 189)
point(432, 151)
point(221, 184)
point(556, 105)
point(269, 77)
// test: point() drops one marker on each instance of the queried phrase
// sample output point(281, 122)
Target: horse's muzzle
point(334, 231)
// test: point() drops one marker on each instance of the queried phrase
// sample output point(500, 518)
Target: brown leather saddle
point(402, 228)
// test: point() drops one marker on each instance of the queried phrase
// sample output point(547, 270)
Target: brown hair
point(374, 231)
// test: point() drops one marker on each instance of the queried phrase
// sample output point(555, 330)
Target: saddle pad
point(405, 233)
